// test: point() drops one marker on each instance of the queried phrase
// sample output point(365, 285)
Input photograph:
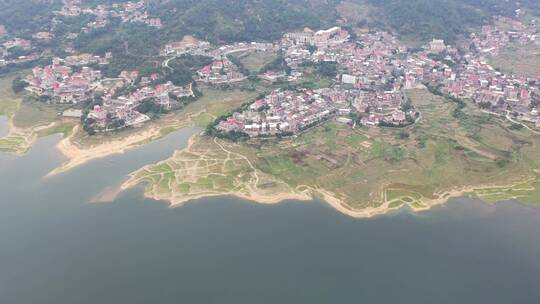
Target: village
point(129, 11)
point(373, 71)
point(112, 107)
point(17, 51)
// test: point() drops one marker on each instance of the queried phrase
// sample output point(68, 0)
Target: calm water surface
point(56, 247)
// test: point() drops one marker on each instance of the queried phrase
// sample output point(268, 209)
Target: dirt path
point(243, 157)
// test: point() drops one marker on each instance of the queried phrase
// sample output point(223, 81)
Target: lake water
point(56, 247)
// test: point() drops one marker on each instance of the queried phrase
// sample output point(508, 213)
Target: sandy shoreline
point(27, 135)
point(307, 193)
point(328, 197)
point(77, 156)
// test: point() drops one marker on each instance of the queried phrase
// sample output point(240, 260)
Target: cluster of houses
point(17, 50)
point(69, 81)
point(375, 71)
point(493, 90)
point(220, 71)
point(374, 74)
point(119, 111)
point(503, 31)
point(10, 49)
point(332, 37)
point(281, 112)
point(290, 112)
point(130, 11)
point(61, 84)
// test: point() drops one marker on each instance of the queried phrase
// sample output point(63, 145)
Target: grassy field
point(29, 119)
point(473, 152)
point(368, 167)
point(255, 60)
point(519, 59)
point(36, 113)
point(9, 102)
point(207, 167)
point(65, 128)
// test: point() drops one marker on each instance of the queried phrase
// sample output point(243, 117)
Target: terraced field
point(519, 59)
point(445, 154)
point(205, 168)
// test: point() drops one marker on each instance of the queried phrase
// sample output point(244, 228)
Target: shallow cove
point(58, 248)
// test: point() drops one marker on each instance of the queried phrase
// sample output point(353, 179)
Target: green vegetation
point(18, 85)
point(518, 59)
point(183, 67)
point(527, 192)
point(371, 168)
point(30, 119)
point(232, 20)
point(27, 17)
point(60, 128)
point(446, 19)
point(14, 144)
point(205, 168)
point(278, 64)
point(254, 61)
point(326, 69)
point(34, 113)
point(9, 102)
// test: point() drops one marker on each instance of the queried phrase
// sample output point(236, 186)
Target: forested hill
point(447, 19)
point(246, 20)
point(27, 16)
point(212, 20)
point(242, 20)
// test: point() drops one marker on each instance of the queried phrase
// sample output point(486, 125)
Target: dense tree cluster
point(182, 68)
point(327, 69)
point(276, 65)
point(26, 17)
point(18, 84)
point(242, 20)
point(446, 19)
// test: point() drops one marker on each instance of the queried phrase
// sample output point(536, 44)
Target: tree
point(18, 84)
point(327, 69)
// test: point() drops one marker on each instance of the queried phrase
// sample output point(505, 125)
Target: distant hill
point(242, 20)
point(136, 45)
point(245, 20)
point(447, 19)
point(27, 16)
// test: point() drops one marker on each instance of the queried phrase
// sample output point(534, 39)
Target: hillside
point(225, 21)
point(222, 21)
point(26, 17)
point(242, 20)
point(446, 19)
